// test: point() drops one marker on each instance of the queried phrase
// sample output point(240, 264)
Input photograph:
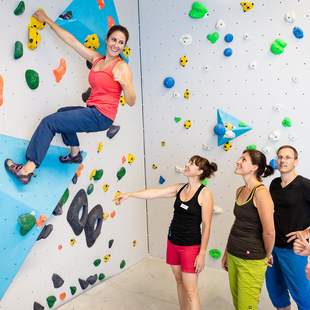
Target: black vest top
point(185, 225)
point(246, 236)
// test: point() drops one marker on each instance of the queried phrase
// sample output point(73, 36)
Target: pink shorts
point(182, 255)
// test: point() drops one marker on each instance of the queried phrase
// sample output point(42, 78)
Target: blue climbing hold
point(161, 180)
point(169, 82)
point(228, 38)
point(228, 52)
point(219, 129)
point(298, 32)
point(273, 164)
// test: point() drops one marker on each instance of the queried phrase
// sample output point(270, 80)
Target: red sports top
point(105, 92)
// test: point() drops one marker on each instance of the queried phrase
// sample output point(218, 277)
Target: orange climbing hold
point(100, 4)
point(1, 90)
point(62, 296)
point(41, 220)
point(111, 22)
point(113, 213)
point(60, 70)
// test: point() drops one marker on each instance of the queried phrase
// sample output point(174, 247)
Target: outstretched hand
point(40, 15)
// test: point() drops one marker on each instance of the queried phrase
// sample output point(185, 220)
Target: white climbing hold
point(179, 169)
point(277, 107)
point(206, 68)
point(290, 17)
point(246, 36)
point(220, 24)
point(229, 134)
point(186, 39)
point(274, 136)
point(295, 79)
point(253, 65)
point(217, 210)
point(176, 94)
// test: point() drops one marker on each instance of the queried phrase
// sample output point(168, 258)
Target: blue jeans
point(287, 275)
point(66, 121)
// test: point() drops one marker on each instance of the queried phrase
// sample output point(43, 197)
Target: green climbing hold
point(177, 119)
point(64, 197)
point(251, 147)
point(20, 9)
point(215, 253)
point(90, 188)
point(277, 46)
point(98, 175)
point(204, 181)
point(122, 264)
point(97, 262)
point(286, 122)
point(242, 124)
point(18, 50)
point(32, 78)
point(26, 222)
point(120, 173)
point(198, 10)
point(73, 290)
point(51, 301)
point(213, 37)
point(101, 276)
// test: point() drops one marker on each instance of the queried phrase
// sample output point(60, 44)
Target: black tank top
point(246, 235)
point(185, 225)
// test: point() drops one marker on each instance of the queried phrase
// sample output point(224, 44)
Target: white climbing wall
point(262, 97)
point(62, 252)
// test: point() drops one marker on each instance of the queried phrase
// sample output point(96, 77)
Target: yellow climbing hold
point(122, 100)
point(105, 187)
point(100, 147)
point(92, 41)
point(130, 158)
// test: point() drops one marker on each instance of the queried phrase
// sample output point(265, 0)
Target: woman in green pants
point(252, 235)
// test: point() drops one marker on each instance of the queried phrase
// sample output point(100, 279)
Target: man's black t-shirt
point(292, 208)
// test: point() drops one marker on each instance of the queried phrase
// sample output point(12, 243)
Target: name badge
point(184, 206)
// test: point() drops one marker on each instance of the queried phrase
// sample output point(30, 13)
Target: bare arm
point(265, 208)
point(123, 75)
point(67, 37)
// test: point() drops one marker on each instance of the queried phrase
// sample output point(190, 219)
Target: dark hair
point(288, 147)
point(204, 165)
point(119, 28)
point(259, 159)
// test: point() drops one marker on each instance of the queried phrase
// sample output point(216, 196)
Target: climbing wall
point(83, 238)
point(243, 72)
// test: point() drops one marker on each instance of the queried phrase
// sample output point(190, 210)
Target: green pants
point(246, 278)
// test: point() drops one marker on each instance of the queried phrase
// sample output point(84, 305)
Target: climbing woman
point(186, 244)
point(108, 77)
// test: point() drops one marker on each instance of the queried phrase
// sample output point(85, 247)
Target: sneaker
point(15, 169)
point(69, 159)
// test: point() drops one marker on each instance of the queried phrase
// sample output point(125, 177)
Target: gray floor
point(149, 285)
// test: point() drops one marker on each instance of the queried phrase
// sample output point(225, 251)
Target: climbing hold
point(62, 201)
point(122, 264)
point(295, 79)
point(32, 78)
point(179, 169)
point(120, 173)
point(187, 124)
point(36, 23)
point(204, 182)
point(131, 158)
point(168, 82)
point(274, 136)
point(111, 241)
point(134, 243)
point(46, 231)
point(60, 70)
point(251, 147)
point(98, 175)
point(176, 94)
point(1, 90)
point(90, 188)
point(228, 38)
point(51, 301)
point(253, 65)
point(41, 220)
point(227, 146)
point(105, 187)
point(18, 50)
point(20, 9)
point(66, 16)
point(105, 216)
point(73, 290)
point(93, 225)
point(72, 242)
point(92, 41)
point(198, 10)
point(213, 37)
point(116, 195)
point(246, 36)
point(290, 17)
point(277, 107)
point(186, 39)
point(62, 296)
point(86, 94)
point(122, 100)
point(220, 24)
point(112, 131)
point(154, 166)
point(298, 32)
point(97, 262)
point(127, 51)
point(286, 122)
point(177, 119)
point(277, 46)
point(26, 222)
point(84, 284)
point(229, 134)
point(273, 164)
point(34, 38)
point(242, 124)
point(247, 6)
point(183, 60)
point(161, 180)
point(37, 306)
point(113, 214)
point(106, 258)
point(100, 147)
point(215, 253)
point(57, 280)
point(217, 210)
point(186, 94)
point(228, 52)
point(92, 279)
point(101, 276)
point(206, 68)
point(219, 129)
point(163, 143)
point(111, 22)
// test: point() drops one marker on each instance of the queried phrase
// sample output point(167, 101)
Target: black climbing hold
point(112, 131)
point(89, 64)
point(86, 94)
point(74, 179)
point(111, 243)
point(57, 280)
point(68, 15)
point(93, 225)
point(79, 202)
point(92, 279)
point(84, 284)
point(58, 210)
point(47, 229)
point(37, 306)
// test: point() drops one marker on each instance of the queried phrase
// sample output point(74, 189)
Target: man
point(291, 197)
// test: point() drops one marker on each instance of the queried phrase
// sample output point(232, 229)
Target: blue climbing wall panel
point(39, 197)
